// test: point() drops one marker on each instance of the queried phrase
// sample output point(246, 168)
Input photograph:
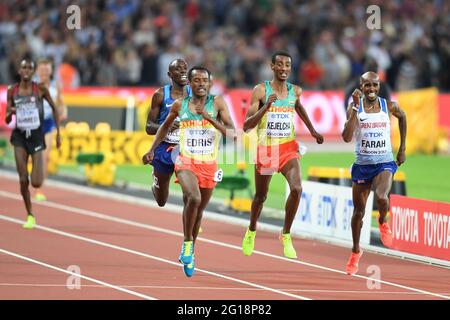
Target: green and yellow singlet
point(277, 125)
point(199, 140)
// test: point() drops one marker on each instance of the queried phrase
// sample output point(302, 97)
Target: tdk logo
point(373, 134)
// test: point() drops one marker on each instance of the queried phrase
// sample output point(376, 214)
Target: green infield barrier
point(3, 145)
point(236, 183)
point(99, 167)
point(342, 177)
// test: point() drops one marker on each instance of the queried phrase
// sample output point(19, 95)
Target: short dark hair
point(201, 68)
point(280, 53)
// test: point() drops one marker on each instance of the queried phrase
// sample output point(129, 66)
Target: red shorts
point(204, 171)
point(271, 159)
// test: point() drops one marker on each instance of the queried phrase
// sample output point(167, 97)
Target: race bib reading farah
point(199, 141)
point(28, 116)
point(279, 124)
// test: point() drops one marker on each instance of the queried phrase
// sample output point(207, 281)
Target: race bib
point(199, 141)
point(374, 147)
point(218, 175)
point(173, 137)
point(279, 124)
point(28, 116)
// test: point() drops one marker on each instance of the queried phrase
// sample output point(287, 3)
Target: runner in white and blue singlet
point(167, 151)
point(44, 72)
point(368, 117)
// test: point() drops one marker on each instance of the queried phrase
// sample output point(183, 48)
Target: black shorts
point(32, 144)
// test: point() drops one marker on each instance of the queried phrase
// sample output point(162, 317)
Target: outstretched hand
point(318, 137)
point(271, 99)
point(356, 95)
point(401, 157)
point(148, 157)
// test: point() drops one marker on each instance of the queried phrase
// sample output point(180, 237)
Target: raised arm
point(162, 131)
point(255, 113)
point(304, 116)
point(223, 123)
point(46, 95)
point(151, 127)
point(352, 120)
point(395, 110)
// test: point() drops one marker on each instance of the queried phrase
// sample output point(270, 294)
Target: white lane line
point(221, 218)
point(138, 253)
point(104, 284)
point(44, 285)
point(106, 217)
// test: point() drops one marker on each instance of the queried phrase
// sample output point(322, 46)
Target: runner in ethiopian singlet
point(276, 132)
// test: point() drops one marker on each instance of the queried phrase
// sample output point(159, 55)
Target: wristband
point(355, 108)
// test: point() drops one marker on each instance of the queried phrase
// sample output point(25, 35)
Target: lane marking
point(104, 284)
point(145, 255)
point(217, 217)
point(44, 285)
point(106, 217)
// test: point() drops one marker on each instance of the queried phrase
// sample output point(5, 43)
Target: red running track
point(127, 250)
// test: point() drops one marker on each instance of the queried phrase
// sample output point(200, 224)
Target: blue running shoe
point(189, 268)
point(186, 252)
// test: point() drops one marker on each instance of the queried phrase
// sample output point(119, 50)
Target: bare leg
point(192, 200)
point(46, 157)
point(21, 157)
point(291, 171)
point(160, 187)
point(262, 187)
point(383, 183)
point(37, 174)
point(360, 195)
point(206, 196)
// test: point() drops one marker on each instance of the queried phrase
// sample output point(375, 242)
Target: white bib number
point(199, 141)
point(218, 175)
point(279, 124)
point(28, 116)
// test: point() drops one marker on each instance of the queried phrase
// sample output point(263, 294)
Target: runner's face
point(26, 70)
point(200, 83)
point(282, 67)
point(178, 72)
point(44, 72)
point(370, 88)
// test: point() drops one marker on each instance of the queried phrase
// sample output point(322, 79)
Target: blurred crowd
point(131, 42)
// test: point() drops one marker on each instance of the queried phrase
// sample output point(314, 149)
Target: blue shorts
point(49, 125)
point(362, 174)
point(164, 159)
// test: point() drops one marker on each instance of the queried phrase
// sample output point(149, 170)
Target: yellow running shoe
point(40, 196)
point(289, 251)
point(249, 242)
point(31, 222)
point(187, 250)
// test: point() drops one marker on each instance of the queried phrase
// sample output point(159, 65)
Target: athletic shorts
point(32, 144)
point(49, 125)
point(362, 174)
point(271, 159)
point(164, 158)
point(204, 171)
